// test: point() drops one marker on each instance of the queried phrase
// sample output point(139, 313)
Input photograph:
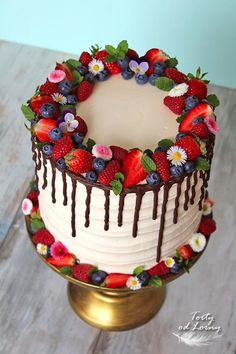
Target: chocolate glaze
point(45, 182)
point(139, 197)
point(194, 187)
point(121, 207)
point(36, 165)
point(53, 194)
point(65, 199)
point(106, 207)
point(73, 204)
point(202, 190)
point(155, 202)
point(175, 215)
point(87, 203)
point(186, 193)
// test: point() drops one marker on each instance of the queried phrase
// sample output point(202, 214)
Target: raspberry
point(107, 175)
point(118, 153)
point(162, 165)
point(43, 236)
point(62, 147)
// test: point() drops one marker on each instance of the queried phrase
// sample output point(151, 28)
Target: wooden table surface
point(35, 317)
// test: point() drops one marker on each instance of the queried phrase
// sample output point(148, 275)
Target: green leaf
point(123, 46)
point(213, 100)
point(93, 270)
point(66, 270)
point(116, 186)
point(111, 50)
point(29, 129)
point(90, 144)
point(77, 78)
point(190, 76)
point(164, 83)
point(206, 81)
point(37, 224)
point(28, 113)
point(35, 215)
point(198, 73)
point(147, 163)
point(138, 270)
point(180, 118)
point(39, 145)
point(201, 164)
point(32, 184)
point(119, 176)
point(66, 106)
point(155, 281)
point(110, 58)
point(73, 63)
point(171, 63)
point(165, 144)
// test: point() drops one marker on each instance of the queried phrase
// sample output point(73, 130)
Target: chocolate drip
point(73, 203)
point(45, 182)
point(139, 197)
point(194, 187)
point(175, 216)
point(106, 206)
point(162, 222)
point(39, 160)
point(202, 191)
point(65, 199)
point(155, 202)
point(87, 203)
point(53, 194)
point(121, 207)
point(186, 193)
point(35, 165)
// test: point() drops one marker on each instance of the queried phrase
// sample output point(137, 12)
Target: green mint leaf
point(76, 78)
point(28, 113)
point(198, 73)
point(180, 118)
point(164, 83)
point(171, 63)
point(111, 50)
point(201, 164)
point(37, 224)
point(138, 270)
point(110, 58)
point(123, 46)
point(155, 281)
point(116, 186)
point(66, 106)
point(90, 144)
point(165, 144)
point(119, 176)
point(213, 100)
point(66, 270)
point(73, 63)
point(147, 163)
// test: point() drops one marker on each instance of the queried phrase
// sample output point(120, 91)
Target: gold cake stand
point(113, 309)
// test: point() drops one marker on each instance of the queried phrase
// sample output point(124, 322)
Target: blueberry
point(99, 164)
point(189, 166)
point(123, 63)
point(91, 176)
point(159, 149)
point(180, 136)
point(47, 110)
point(176, 171)
point(60, 164)
point(141, 79)
point(152, 79)
point(55, 134)
point(143, 278)
point(103, 75)
point(127, 74)
point(175, 268)
point(153, 178)
point(77, 137)
point(82, 69)
point(98, 277)
point(71, 99)
point(191, 102)
point(148, 152)
point(65, 87)
point(159, 67)
point(47, 149)
point(90, 78)
point(198, 120)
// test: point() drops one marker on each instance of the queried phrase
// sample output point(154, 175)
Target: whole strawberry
point(159, 269)
point(190, 146)
point(207, 226)
point(43, 236)
point(113, 68)
point(82, 271)
point(82, 127)
point(185, 252)
point(175, 75)
point(197, 88)
point(85, 58)
point(162, 165)
point(84, 90)
point(118, 153)
point(200, 130)
point(62, 147)
point(108, 174)
point(175, 104)
point(49, 88)
point(79, 161)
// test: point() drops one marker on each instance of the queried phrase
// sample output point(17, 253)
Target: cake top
point(147, 122)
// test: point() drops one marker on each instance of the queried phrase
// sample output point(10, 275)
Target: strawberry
point(185, 251)
point(84, 90)
point(132, 54)
point(107, 175)
point(162, 165)
point(43, 127)
point(190, 146)
point(82, 127)
point(43, 236)
point(49, 88)
point(37, 102)
point(175, 75)
point(159, 269)
point(118, 153)
point(79, 161)
point(66, 70)
point(85, 58)
point(112, 67)
point(82, 271)
point(200, 130)
point(207, 226)
point(116, 280)
point(101, 55)
point(133, 169)
point(175, 104)
point(62, 147)
point(65, 261)
point(197, 88)
point(152, 56)
point(201, 110)
point(33, 196)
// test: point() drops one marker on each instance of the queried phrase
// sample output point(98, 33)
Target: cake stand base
point(115, 310)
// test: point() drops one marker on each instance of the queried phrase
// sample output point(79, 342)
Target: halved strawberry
point(67, 260)
point(133, 169)
point(153, 55)
point(159, 269)
point(201, 110)
point(43, 127)
point(116, 280)
point(66, 70)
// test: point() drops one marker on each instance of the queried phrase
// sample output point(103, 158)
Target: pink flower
point(211, 124)
point(102, 151)
point(58, 250)
point(26, 206)
point(56, 76)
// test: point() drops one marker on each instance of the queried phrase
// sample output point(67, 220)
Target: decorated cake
point(122, 146)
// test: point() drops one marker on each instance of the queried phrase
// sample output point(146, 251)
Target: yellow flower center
point(168, 262)
point(96, 67)
point(205, 207)
point(197, 242)
point(133, 282)
point(176, 156)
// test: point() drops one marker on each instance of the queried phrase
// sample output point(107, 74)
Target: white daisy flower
point(42, 249)
point(178, 90)
point(197, 242)
point(59, 98)
point(176, 155)
point(95, 66)
point(26, 206)
point(169, 262)
point(133, 283)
